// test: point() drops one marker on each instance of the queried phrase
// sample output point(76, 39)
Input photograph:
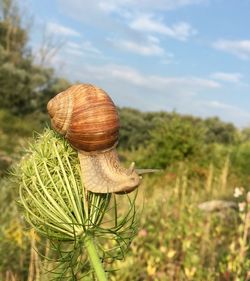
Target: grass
point(178, 241)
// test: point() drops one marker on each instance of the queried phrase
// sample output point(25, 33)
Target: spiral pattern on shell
point(86, 116)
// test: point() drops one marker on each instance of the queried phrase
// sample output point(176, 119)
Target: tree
point(49, 46)
point(220, 132)
point(175, 140)
point(23, 85)
point(245, 134)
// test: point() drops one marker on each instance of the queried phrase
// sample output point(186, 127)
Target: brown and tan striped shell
point(86, 116)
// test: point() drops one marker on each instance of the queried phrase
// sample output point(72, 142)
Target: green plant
point(76, 221)
point(237, 261)
point(173, 141)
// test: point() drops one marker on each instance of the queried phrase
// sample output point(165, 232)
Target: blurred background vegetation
point(194, 225)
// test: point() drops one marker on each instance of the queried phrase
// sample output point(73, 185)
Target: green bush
point(173, 141)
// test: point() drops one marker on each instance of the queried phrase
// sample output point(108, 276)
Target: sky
point(187, 56)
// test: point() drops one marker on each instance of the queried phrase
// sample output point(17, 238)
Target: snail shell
point(88, 119)
point(86, 116)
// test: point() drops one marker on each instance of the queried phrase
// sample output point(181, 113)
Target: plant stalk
point(94, 259)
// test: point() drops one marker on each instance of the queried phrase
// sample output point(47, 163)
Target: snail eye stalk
point(87, 231)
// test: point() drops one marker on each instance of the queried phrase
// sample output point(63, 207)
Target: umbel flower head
point(57, 205)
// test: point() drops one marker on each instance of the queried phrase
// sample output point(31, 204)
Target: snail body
point(103, 173)
point(87, 117)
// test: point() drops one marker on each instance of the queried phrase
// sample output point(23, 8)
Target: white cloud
point(59, 29)
point(88, 46)
point(228, 109)
point(99, 12)
point(107, 6)
point(148, 48)
point(146, 23)
point(111, 5)
point(227, 77)
point(121, 18)
point(73, 45)
point(85, 48)
point(74, 49)
point(220, 105)
point(169, 4)
point(227, 112)
point(153, 39)
point(165, 84)
point(239, 48)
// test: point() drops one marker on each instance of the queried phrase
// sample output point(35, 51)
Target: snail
point(87, 117)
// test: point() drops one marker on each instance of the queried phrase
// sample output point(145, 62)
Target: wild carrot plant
point(76, 222)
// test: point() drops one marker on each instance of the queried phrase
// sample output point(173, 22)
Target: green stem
point(94, 259)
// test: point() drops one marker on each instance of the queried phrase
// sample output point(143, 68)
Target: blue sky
point(191, 56)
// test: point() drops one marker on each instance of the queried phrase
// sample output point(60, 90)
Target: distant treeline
point(137, 127)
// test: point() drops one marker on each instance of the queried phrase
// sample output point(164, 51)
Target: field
point(194, 223)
